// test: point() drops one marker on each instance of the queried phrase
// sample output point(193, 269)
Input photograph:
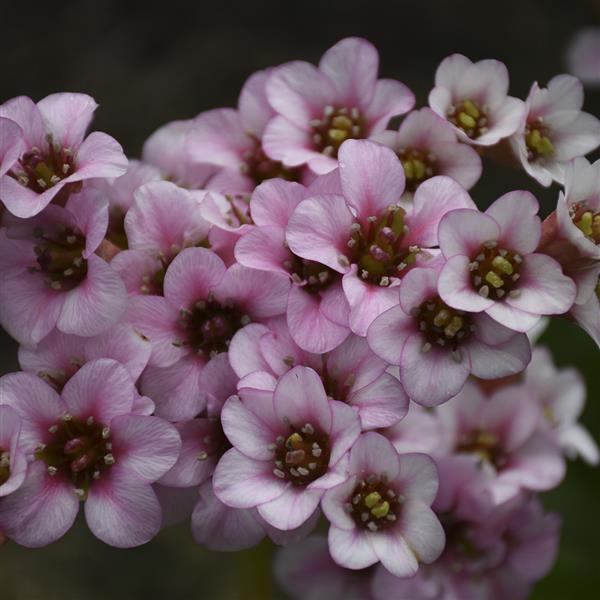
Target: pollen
point(495, 271)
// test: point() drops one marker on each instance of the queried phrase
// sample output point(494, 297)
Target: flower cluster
point(286, 315)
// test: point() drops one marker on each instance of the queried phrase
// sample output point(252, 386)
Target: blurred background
point(148, 63)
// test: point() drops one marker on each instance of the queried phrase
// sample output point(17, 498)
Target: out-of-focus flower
point(473, 97)
point(583, 56)
point(55, 151)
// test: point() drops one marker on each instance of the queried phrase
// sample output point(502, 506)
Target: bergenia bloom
point(316, 311)
point(437, 347)
point(555, 130)
point(51, 276)
point(232, 139)
point(492, 265)
point(11, 144)
point(288, 448)
point(320, 108)
point(13, 461)
point(87, 446)
point(351, 373)
point(427, 146)
point(382, 511)
point(561, 393)
point(191, 327)
point(56, 151)
point(364, 234)
point(502, 435)
point(474, 98)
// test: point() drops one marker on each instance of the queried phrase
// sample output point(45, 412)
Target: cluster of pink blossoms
point(287, 317)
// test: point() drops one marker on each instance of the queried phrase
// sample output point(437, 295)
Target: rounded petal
point(422, 531)
point(374, 454)
point(292, 509)
point(463, 231)
point(456, 288)
point(350, 548)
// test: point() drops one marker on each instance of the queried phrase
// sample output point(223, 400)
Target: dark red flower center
point(60, 257)
point(303, 456)
point(259, 167)
point(335, 127)
point(485, 445)
point(418, 166)
point(495, 271)
point(4, 466)
point(470, 117)
point(79, 450)
point(374, 505)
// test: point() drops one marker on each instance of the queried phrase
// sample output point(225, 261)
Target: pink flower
point(555, 130)
point(56, 151)
point(473, 97)
point(426, 145)
point(583, 55)
point(561, 393)
point(288, 448)
point(351, 373)
point(502, 436)
point(492, 265)
point(316, 311)
point(51, 276)
point(233, 139)
point(11, 144)
point(382, 511)
point(59, 356)
point(587, 314)
point(438, 347)
point(364, 234)
point(13, 462)
point(319, 108)
point(86, 445)
point(191, 327)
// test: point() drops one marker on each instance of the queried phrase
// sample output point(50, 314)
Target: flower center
point(58, 379)
point(303, 456)
point(442, 325)
point(586, 221)
point(470, 117)
point(537, 141)
point(210, 326)
point(60, 259)
point(313, 276)
point(377, 248)
point(374, 505)
point(495, 271)
point(40, 171)
point(4, 466)
point(80, 450)
point(259, 167)
point(418, 165)
point(335, 127)
point(484, 444)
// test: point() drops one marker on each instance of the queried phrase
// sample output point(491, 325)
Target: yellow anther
point(419, 167)
point(338, 135)
point(585, 223)
point(545, 146)
point(494, 279)
point(455, 325)
point(503, 265)
point(341, 122)
point(538, 142)
point(409, 169)
point(533, 138)
point(471, 109)
point(381, 510)
point(486, 438)
point(372, 499)
point(441, 318)
point(294, 441)
point(466, 120)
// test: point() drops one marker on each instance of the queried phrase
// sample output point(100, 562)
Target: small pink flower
point(319, 108)
point(317, 314)
point(351, 373)
point(51, 276)
point(364, 234)
point(555, 130)
point(473, 97)
point(288, 448)
point(86, 445)
point(13, 462)
point(382, 511)
point(233, 139)
point(438, 347)
point(561, 393)
point(191, 327)
point(56, 151)
point(583, 55)
point(492, 265)
point(427, 146)
point(502, 435)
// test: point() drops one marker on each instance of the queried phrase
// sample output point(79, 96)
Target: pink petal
point(132, 266)
point(394, 553)
point(388, 333)
point(418, 478)
point(25, 113)
point(345, 429)
point(254, 108)
point(451, 70)
point(90, 209)
point(11, 144)
point(456, 288)
point(374, 454)
point(350, 548)
point(99, 156)
point(391, 98)
point(512, 317)
point(463, 231)
point(264, 248)
point(243, 354)
point(274, 200)
point(292, 509)
point(494, 362)
point(418, 286)
point(459, 161)
point(422, 531)
point(288, 143)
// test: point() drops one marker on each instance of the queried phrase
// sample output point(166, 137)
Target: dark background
point(149, 63)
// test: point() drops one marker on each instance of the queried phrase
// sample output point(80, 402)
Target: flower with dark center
point(259, 167)
point(418, 165)
point(335, 127)
point(495, 271)
point(470, 117)
point(375, 506)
